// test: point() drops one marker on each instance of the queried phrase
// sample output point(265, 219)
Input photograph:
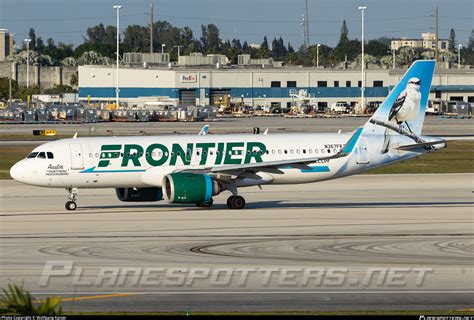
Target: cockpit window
point(41, 155)
point(50, 155)
point(32, 155)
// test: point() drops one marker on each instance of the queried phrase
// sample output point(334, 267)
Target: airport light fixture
point(459, 56)
point(117, 7)
point(317, 55)
point(362, 89)
point(27, 41)
point(163, 48)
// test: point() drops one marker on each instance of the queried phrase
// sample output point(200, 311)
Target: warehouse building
point(264, 86)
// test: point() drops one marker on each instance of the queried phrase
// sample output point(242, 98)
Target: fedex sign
point(190, 77)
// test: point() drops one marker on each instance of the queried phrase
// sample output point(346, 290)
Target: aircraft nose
point(17, 172)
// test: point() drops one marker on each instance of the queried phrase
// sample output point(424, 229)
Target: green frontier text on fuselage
point(157, 154)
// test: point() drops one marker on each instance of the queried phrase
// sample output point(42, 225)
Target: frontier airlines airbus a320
point(193, 169)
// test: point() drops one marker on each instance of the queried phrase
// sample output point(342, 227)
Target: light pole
point(27, 62)
point(317, 55)
point(393, 59)
point(117, 7)
point(459, 56)
point(163, 48)
point(362, 9)
point(10, 82)
point(151, 26)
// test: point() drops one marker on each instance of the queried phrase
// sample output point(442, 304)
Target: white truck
point(340, 107)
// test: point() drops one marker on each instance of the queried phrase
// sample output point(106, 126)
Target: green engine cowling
point(139, 194)
point(189, 188)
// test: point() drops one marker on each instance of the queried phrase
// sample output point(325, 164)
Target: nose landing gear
point(71, 204)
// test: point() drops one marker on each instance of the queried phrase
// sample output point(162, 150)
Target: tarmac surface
point(365, 242)
point(433, 125)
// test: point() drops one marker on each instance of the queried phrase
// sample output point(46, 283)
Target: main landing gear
point(205, 204)
point(236, 202)
point(71, 204)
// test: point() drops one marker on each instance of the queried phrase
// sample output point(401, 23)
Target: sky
point(67, 20)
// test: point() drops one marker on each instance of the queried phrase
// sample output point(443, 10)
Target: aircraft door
point(362, 151)
point(77, 161)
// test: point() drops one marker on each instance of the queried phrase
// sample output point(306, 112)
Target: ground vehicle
point(340, 107)
point(275, 110)
point(248, 109)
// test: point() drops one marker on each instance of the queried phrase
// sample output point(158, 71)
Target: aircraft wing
point(236, 169)
point(240, 168)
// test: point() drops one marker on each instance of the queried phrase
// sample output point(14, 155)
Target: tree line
point(99, 47)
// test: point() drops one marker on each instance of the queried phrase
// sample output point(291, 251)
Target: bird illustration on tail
point(405, 108)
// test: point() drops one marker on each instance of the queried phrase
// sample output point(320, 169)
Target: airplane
point(192, 169)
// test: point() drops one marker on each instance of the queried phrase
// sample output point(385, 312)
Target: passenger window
point(42, 155)
point(291, 151)
point(90, 155)
point(304, 150)
point(316, 150)
point(32, 155)
point(286, 151)
point(310, 150)
point(96, 155)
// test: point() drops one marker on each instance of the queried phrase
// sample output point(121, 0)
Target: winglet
point(74, 136)
point(204, 130)
point(349, 147)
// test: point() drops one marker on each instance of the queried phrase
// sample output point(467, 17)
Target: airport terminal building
point(264, 86)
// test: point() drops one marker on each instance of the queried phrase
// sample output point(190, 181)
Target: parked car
point(247, 109)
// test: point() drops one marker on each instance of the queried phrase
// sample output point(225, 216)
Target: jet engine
point(139, 194)
point(190, 188)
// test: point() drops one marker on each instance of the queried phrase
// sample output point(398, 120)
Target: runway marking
point(102, 296)
point(108, 294)
point(283, 237)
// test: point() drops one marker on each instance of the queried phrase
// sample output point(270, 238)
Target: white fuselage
point(76, 162)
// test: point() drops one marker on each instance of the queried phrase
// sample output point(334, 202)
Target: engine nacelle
point(139, 194)
point(189, 188)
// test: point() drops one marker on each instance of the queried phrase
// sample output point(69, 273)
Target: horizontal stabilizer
point(421, 145)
